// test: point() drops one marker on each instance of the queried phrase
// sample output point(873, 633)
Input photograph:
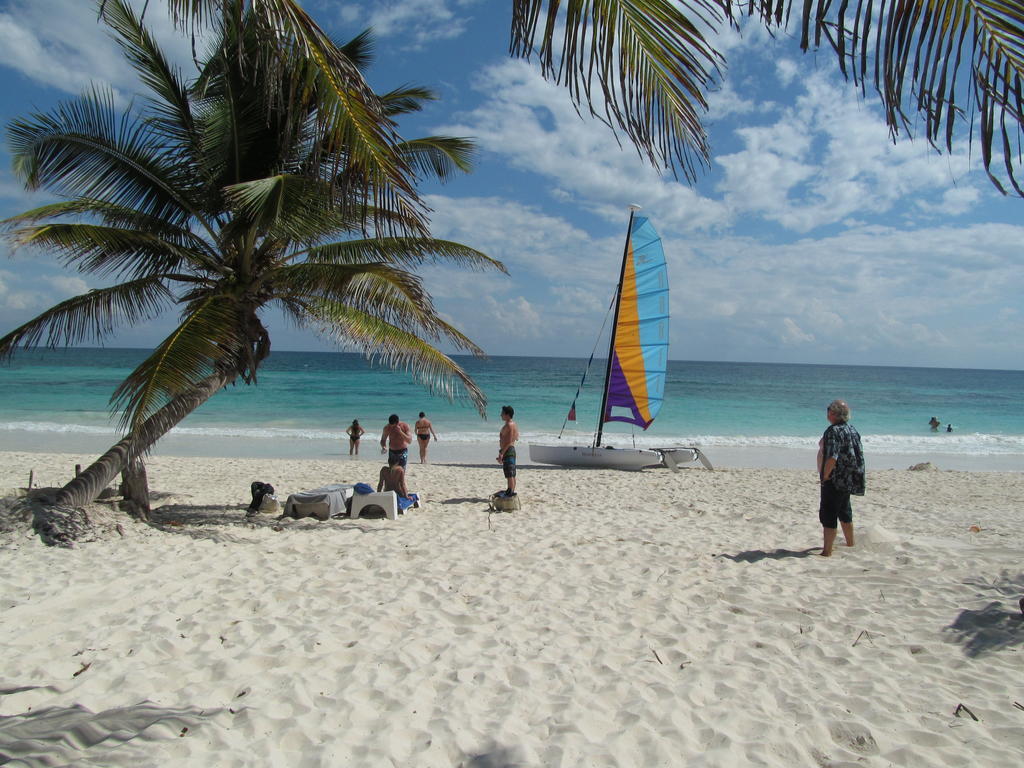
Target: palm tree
point(651, 61)
point(272, 179)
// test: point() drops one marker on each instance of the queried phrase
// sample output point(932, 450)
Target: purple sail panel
point(621, 405)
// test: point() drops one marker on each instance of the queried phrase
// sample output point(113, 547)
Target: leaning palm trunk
point(88, 485)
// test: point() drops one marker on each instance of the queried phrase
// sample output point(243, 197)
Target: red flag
point(572, 412)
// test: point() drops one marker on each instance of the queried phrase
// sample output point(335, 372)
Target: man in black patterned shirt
point(841, 472)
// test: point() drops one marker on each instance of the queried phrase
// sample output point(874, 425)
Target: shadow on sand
point(65, 735)
point(495, 757)
point(754, 555)
point(215, 522)
point(990, 629)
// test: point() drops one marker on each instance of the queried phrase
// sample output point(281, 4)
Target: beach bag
point(270, 505)
point(259, 492)
point(499, 502)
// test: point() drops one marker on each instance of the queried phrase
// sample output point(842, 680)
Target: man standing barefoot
point(396, 438)
point(841, 472)
point(507, 448)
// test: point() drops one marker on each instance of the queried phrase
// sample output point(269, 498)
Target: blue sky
point(812, 237)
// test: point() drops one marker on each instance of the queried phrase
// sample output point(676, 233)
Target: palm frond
point(110, 214)
point(287, 206)
point(438, 156)
point(349, 113)
point(371, 287)
point(405, 252)
point(207, 342)
point(161, 235)
point(359, 50)
point(650, 60)
point(406, 99)
point(943, 60)
point(392, 295)
point(170, 100)
point(106, 251)
point(91, 316)
point(396, 348)
point(82, 149)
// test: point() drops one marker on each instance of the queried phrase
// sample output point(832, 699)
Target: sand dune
point(618, 619)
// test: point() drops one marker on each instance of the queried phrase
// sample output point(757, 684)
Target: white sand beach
point(618, 619)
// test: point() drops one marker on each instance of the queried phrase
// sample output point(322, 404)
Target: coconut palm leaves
point(349, 112)
point(645, 64)
point(273, 179)
point(650, 63)
point(939, 58)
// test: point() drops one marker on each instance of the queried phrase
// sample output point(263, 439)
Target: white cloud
point(829, 157)
point(66, 287)
point(909, 294)
point(14, 298)
point(515, 314)
point(416, 22)
point(858, 296)
point(787, 71)
point(30, 294)
point(955, 202)
point(824, 160)
point(532, 244)
point(532, 125)
point(725, 101)
point(60, 43)
point(561, 277)
point(793, 333)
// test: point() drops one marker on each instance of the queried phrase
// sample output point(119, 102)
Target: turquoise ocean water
point(304, 396)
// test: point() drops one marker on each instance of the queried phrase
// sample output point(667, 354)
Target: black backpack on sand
point(259, 490)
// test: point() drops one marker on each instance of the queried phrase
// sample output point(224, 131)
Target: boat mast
point(615, 327)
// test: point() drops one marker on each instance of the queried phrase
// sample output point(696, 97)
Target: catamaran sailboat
point(634, 382)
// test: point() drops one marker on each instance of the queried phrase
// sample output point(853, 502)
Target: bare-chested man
point(507, 448)
point(396, 438)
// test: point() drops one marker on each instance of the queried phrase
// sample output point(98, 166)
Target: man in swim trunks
point(841, 470)
point(507, 448)
point(396, 438)
point(424, 429)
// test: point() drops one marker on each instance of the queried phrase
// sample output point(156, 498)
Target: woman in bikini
point(424, 429)
point(354, 433)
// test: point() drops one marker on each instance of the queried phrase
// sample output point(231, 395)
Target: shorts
point(402, 454)
point(508, 463)
point(835, 506)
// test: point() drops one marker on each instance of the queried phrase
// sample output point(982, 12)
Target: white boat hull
point(586, 456)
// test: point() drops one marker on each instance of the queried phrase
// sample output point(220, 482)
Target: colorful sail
point(636, 384)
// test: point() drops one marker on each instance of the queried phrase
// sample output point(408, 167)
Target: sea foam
point(970, 444)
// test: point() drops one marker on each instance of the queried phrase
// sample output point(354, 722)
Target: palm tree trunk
point(135, 490)
point(88, 485)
